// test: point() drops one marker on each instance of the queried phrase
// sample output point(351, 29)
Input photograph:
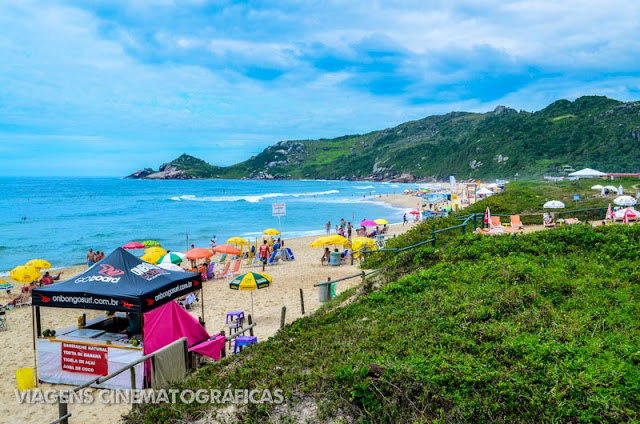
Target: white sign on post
point(279, 209)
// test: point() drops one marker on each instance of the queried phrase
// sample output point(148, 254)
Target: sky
point(104, 88)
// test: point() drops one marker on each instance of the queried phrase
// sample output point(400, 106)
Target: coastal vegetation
point(538, 327)
point(591, 131)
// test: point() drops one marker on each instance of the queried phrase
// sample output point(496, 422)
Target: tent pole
point(202, 303)
point(34, 317)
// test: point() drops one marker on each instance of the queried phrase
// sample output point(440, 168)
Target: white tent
point(612, 188)
point(485, 192)
point(620, 190)
point(597, 187)
point(587, 172)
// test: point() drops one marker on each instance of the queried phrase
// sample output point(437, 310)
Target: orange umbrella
point(198, 253)
point(227, 248)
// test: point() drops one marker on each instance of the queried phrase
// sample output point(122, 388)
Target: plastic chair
point(244, 341)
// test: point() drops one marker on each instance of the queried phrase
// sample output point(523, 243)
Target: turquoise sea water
point(59, 219)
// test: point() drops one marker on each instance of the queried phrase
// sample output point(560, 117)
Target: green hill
point(591, 131)
point(528, 328)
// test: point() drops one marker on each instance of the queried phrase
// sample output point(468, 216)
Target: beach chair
point(3, 319)
point(274, 259)
point(495, 222)
point(225, 271)
point(516, 224)
point(236, 267)
point(549, 221)
point(188, 301)
point(23, 300)
point(347, 255)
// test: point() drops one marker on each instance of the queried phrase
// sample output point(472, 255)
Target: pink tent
point(169, 323)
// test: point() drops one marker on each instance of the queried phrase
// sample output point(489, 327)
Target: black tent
point(119, 282)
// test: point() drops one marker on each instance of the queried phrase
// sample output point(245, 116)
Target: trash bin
point(324, 293)
point(334, 258)
point(25, 378)
point(333, 290)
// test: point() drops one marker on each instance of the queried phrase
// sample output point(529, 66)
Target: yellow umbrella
point(154, 250)
point(237, 240)
point(271, 232)
point(39, 264)
point(381, 221)
point(360, 242)
point(25, 274)
point(321, 241)
point(338, 240)
point(153, 254)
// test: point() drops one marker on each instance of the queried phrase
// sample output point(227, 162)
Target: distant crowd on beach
point(93, 257)
point(344, 229)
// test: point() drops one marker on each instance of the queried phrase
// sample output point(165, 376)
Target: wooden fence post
point(283, 316)
point(250, 321)
point(302, 301)
point(224, 348)
point(62, 411)
point(433, 235)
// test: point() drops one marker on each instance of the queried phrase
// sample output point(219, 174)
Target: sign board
point(278, 209)
point(452, 182)
point(84, 359)
point(576, 197)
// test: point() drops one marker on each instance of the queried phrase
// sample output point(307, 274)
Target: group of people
point(326, 256)
point(93, 257)
point(344, 229)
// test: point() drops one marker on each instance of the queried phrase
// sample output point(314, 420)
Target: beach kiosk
point(126, 288)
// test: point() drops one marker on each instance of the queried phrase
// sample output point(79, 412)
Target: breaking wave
point(249, 198)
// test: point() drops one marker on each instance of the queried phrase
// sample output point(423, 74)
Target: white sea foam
point(250, 199)
point(364, 188)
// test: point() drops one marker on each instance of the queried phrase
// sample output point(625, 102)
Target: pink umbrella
point(133, 245)
point(368, 223)
point(415, 212)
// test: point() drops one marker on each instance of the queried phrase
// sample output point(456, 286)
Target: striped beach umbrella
point(251, 281)
point(172, 258)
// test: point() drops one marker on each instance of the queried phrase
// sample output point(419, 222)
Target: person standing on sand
point(405, 220)
point(349, 230)
point(264, 253)
point(328, 227)
point(91, 258)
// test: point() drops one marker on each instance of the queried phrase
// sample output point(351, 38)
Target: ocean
point(59, 219)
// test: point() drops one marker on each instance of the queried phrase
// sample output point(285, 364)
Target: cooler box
point(334, 258)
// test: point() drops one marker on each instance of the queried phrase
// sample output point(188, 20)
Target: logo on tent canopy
point(148, 271)
point(110, 271)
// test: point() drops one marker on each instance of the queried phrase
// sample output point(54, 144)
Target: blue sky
point(108, 87)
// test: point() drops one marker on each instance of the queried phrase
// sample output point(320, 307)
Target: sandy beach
point(16, 347)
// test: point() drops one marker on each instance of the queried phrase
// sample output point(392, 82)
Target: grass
point(540, 327)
